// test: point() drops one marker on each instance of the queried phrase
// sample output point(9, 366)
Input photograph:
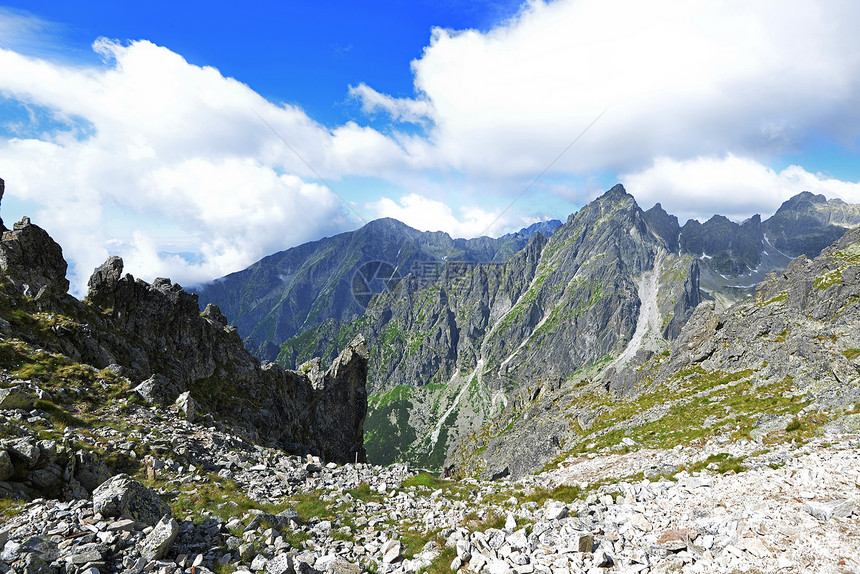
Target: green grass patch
point(216, 495)
point(564, 492)
point(11, 506)
point(724, 463)
point(59, 416)
point(794, 425)
point(851, 354)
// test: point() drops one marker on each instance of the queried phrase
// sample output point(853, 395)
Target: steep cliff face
point(141, 330)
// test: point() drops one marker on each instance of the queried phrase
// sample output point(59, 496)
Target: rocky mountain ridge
point(453, 349)
point(129, 333)
point(451, 355)
point(755, 369)
point(331, 280)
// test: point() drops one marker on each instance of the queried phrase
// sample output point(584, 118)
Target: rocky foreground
point(203, 500)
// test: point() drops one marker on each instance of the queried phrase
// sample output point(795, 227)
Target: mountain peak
point(802, 199)
point(616, 192)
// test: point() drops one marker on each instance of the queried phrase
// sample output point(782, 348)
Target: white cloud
point(146, 153)
point(427, 214)
point(416, 111)
point(679, 79)
point(173, 147)
point(732, 186)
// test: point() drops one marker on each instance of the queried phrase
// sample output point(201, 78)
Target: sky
point(193, 139)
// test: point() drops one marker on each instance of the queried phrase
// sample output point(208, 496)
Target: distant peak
point(801, 199)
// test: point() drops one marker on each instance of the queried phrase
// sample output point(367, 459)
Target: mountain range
point(460, 332)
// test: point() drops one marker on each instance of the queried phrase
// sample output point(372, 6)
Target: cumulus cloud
point(679, 79)
point(180, 147)
point(732, 186)
point(427, 214)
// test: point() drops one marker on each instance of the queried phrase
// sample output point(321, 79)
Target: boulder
point(121, 496)
point(159, 389)
point(89, 470)
point(186, 406)
point(7, 469)
point(16, 398)
point(158, 542)
point(281, 564)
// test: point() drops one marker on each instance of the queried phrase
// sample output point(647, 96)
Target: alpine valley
point(497, 356)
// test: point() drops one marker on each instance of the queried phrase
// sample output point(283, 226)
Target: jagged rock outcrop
point(200, 353)
point(155, 334)
point(33, 262)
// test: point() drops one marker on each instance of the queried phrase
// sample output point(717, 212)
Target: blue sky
point(226, 131)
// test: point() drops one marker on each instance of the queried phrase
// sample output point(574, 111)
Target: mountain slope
point(449, 356)
point(785, 362)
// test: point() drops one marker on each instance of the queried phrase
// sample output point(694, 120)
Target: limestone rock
point(391, 551)
point(186, 405)
point(281, 564)
point(826, 510)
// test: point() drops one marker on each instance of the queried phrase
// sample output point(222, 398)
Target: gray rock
point(555, 511)
point(33, 262)
point(826, 510)
point(26, 450)
point(48, 478)
point(160, 390)
point(391, 551)
point(187, 406)
point(158, 542)
point(90, 471)
point(123, 497)
point(6, 467)
point(281, 564)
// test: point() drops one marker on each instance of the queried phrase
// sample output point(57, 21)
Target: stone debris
point(792, 515)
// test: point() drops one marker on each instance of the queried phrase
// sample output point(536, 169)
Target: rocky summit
point(628, 422)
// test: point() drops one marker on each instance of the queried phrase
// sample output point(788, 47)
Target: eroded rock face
point(33, 262)
point(157, 336)
point(183, 352)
